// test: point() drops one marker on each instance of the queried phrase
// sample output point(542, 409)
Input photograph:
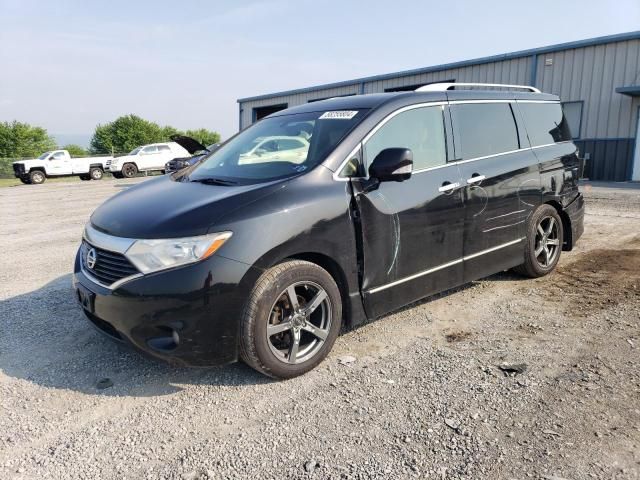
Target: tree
point(124, 134)
point(75, 150)
point(204, 136)
point(19, 139)
point(130, 131)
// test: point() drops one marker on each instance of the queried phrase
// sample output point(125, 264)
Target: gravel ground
point(501, 378)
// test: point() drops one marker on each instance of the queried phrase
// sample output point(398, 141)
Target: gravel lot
point(417, 394)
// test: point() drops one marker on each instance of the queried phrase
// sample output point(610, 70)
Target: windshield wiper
point(214, 181)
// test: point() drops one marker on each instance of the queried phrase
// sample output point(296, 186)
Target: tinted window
point(545, 123)
point(149, 150)
point(483, 129)
point(163, 148)
point(419, 129)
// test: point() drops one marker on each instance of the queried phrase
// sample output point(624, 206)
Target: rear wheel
point(543, 243)
point(96, 173)
point(291, 320)
point(129, 170)
point(37, 177)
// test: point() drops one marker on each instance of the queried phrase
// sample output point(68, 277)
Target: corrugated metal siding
point(293, 100)
point(588, 73)
point(592, 74)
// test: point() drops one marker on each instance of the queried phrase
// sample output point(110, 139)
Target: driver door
point(411, 232)
point(59, 164)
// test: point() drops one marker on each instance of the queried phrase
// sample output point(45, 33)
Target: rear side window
point(419, 129)
point(164, 148)
point(483, 129)
point(545, 122)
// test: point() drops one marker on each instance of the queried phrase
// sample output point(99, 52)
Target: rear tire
point(282, 338)
point(37, 177)
point(96, 173)
point(543, 243)
point(129, 170)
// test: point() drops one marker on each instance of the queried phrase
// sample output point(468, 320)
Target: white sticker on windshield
point(339, 115)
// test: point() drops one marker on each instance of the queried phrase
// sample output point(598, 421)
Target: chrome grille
point(109, 266)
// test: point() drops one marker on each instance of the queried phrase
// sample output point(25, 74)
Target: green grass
point(12, 182)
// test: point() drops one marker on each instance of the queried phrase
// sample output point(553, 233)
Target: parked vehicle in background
point(194, 147)
point(398, 196)
point(147, 158)
point(58, 163)
point(281, 148)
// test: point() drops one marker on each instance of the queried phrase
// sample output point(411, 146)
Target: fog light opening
point(165, 343)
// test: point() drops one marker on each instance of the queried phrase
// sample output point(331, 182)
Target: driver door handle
point(448, 187)
point(475, 179)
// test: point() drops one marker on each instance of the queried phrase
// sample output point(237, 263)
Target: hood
point(164, 208)
point(29, 160)
point(191, 145)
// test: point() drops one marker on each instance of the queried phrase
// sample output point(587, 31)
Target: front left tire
point(129, 170)
point(37, 177)
point(291, 319)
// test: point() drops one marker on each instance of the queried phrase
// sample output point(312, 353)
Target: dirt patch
point(457, 336)
point(598, 280)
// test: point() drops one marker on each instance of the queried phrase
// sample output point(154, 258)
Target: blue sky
point(69, 65)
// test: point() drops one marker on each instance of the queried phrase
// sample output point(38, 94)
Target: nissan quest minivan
point(264, 254)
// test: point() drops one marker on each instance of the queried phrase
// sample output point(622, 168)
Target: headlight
point(154, 255)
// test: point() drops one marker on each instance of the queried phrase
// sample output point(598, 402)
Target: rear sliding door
point(500, 184)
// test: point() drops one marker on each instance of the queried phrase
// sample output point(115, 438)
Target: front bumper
point(186, 316)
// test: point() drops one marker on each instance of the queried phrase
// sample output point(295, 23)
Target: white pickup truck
point(58, 163)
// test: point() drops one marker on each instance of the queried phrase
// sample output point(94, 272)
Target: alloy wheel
point(547, 243)
point(129, 171)
point(299, 322)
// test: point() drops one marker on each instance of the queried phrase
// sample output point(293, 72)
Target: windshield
point(277, 147)
point(44, 155)
point(135, 151)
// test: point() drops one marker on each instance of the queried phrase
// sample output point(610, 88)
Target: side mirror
point(392, 165)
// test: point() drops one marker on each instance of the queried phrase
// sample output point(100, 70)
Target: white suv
point(145, 159)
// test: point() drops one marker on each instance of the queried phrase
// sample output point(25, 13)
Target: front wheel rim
point(547, 241)
point(299, 322)
point(128, 171)
point(37, 178)
point(96, 174)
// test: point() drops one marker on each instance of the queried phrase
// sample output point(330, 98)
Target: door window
point(420, 129)
point(546, 124)
point(483, 129)
point(163, 149)
point(149, 150)
point(58, 156)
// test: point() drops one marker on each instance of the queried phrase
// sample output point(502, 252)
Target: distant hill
point(82, 139)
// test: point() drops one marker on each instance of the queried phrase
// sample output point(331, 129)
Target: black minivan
point(325, 215)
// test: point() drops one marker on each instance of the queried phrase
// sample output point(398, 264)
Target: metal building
point(598, 81)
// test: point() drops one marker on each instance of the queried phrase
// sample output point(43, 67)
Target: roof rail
point(441, 87)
